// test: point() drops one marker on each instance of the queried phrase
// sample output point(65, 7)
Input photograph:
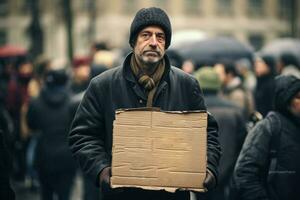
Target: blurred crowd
point(38, 99)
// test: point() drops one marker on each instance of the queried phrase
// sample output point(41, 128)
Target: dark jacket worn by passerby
point(232, 129)
point(49, 115)
point(6, 191)
point(264, 94)
point(264, 91)
point(6, 143)
point(232, 133)
point(252, 176)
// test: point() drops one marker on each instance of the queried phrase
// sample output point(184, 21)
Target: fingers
point(210, 181)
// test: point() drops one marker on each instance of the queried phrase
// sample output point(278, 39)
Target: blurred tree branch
point(92, 24)
point(69, 26)
point(35, 31)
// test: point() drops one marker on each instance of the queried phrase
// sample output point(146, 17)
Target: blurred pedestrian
point(49, 115)
point(265, 71)
point(17, 98)
point(268, 166)
point(232, 128)
point(146, 78)
point(188, 66)
point(80, 74)
point(233, 89)
point(245, 69)
point(6, 139)
point(289, 64)
point(41, 65)
point(90, 190)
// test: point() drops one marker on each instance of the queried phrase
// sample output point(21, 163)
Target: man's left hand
point(210, 180)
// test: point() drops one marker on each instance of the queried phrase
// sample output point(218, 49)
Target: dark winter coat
point(49, 115)
point(232, 133)
point(252, 167)
point(91, 132)
point(264, 94)
point(6, 191)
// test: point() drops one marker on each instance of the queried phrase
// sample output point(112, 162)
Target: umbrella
point(186, 36)
point(283, 45)
point(212, 50)
point(11, 51)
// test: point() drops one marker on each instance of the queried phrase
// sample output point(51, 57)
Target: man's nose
point(153, 40)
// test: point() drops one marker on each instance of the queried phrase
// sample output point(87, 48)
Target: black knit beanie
point(147, 17)
point(286, 87)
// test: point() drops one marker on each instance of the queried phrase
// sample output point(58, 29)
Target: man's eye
point(145, 35)
point(160, 38)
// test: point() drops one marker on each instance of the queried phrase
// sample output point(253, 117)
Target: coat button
point(141, 101)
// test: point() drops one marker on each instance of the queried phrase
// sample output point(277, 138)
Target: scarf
point(149, 82)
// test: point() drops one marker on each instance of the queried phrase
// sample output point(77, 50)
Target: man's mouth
point(152, 53)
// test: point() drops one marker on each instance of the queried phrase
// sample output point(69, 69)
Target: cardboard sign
point(159, 150)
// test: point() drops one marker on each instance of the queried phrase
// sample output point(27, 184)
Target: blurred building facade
point(252, 21)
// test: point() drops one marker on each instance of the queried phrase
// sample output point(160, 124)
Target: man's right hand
point(105, 188)
point(105, 180)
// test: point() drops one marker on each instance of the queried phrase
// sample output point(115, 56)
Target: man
point(49, 117)
point(232, 87)
point(80, 74)
point(232, 128)
point(264, 68)
point(145, 79)
point(268, 166)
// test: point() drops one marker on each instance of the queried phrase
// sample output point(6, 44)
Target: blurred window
point(284, 9)
point(256, 8)
point(4, 7)
point(225, 7)
point(256, 40)
point(3, 37)
point(129, 6)
point(193, 7)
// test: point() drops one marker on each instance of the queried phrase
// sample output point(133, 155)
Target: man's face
point(219, 68)
point(150, 45)
point(295, 105)
point(81, 73)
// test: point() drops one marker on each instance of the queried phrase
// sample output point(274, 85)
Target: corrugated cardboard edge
point(168, 189)
point(118, 111)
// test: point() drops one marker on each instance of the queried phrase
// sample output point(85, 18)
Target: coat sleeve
point(87, 134)
point(252, 164)
point(213, 145)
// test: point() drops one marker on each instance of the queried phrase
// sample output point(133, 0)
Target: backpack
point(274, 147)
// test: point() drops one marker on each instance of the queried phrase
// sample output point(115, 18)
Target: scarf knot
point(149, 82)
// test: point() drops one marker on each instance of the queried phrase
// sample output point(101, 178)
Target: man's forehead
point(155, 29)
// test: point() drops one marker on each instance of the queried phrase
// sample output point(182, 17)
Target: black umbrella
point(212, 50)
point(281, 46)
